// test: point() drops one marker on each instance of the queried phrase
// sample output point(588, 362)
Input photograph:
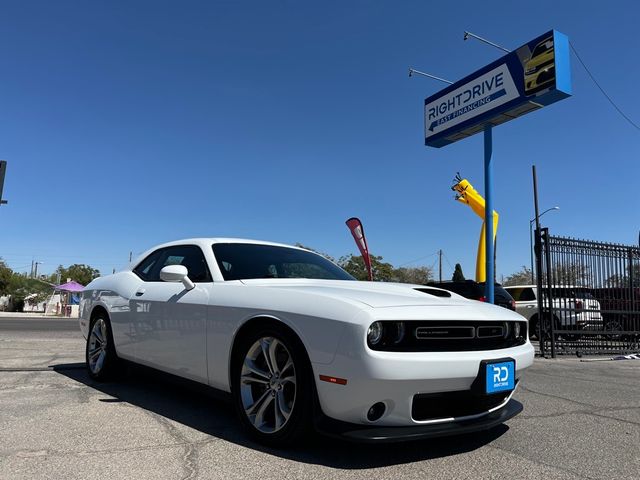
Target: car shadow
point(209, 412)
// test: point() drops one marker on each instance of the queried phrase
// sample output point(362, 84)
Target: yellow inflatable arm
point(468, 195)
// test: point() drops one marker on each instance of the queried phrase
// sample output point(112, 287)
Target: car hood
point(373, 294)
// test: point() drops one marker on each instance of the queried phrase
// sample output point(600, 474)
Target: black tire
point(613, 325)
point(533, 328)
point(248, 388)
point(104, 368)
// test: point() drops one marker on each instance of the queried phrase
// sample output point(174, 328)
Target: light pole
point(531, 236)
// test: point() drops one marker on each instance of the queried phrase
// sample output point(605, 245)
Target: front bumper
point(378, 434)
point(395, 378)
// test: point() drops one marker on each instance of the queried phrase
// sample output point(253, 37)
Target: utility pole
point(440, 265)
point(130, 255)
point(3, 169)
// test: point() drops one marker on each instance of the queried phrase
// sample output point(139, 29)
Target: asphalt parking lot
point(581, 420)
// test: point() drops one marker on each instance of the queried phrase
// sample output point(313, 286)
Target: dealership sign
point(533, 76)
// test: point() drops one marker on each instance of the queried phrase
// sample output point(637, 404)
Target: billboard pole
point(488, 213)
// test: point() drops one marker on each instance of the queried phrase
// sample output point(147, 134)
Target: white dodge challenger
point(299, 344)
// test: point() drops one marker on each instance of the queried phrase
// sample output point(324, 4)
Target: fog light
point(376, 411)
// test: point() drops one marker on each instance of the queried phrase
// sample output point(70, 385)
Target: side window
point(516, 293)
point(527, 295)
point(144, 268)
point(190, 256)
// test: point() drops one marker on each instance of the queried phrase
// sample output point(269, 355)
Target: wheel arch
point(256, 322)
point(99, 309)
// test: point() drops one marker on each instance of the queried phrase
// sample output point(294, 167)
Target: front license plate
point(500, 376)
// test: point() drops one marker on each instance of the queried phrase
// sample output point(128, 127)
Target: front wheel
point(100, 352)
point(272, 387)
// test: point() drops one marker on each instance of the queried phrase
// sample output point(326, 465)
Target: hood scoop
point(434, 291)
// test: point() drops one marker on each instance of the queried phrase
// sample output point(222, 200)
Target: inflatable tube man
point(468, 195)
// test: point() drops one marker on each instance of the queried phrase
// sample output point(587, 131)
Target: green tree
point(354, 264)
point(325, 255)
point(521, 277)
point(458, 276)
point(624, 279)
point(5, 276)
point(416, 275)
point(83, 274)
point(19, 286)
point(575, 273)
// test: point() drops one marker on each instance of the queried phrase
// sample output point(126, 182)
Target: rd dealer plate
point(499, 376)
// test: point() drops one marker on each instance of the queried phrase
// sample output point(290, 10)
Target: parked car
point(620, 307)
point(297, 342)
point(475, 291)
point(574, 308)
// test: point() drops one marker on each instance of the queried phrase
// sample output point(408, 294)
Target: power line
point(602, 89)
point(415, 260)
point(447, 259)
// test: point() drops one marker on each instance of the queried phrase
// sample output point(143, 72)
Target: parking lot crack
point(537, 461)
point(29, 453)
point(190, 456)
point(557, 397)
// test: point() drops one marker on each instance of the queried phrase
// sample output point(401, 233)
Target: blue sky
point(127, 124)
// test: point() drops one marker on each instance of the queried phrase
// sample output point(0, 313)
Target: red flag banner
point(357, 230)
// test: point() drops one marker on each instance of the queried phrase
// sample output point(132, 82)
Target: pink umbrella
point(71, 286)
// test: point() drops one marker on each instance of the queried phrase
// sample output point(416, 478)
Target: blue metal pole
point(488, 214)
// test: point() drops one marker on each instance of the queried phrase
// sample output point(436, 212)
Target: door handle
point(140, 292)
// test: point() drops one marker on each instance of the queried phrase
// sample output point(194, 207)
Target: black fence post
point(549, 279)
point(538, 275)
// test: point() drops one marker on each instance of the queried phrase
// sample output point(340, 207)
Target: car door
point(169, 319)
point(526, 302)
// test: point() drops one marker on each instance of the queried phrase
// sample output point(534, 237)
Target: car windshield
point(542, 48)
point(242, 261)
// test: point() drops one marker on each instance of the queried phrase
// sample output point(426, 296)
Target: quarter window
point(144, 268)
point(190, 256)
point(527, 295)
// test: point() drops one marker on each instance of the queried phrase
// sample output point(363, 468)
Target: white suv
point(574, 308)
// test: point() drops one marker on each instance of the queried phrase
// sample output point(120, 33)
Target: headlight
point(374, 335)
point(397, 332)
point(516, 329)
point(507, 329)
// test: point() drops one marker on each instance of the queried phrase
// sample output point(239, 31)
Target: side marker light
point(336, 380)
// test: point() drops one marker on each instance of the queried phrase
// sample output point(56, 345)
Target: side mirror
point(177, 273)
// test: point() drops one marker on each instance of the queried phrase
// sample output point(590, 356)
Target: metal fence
point(590, 299)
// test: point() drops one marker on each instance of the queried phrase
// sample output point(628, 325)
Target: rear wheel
point(271, 384)
point(100, 352)
point(613, 325)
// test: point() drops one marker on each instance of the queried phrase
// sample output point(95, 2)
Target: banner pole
point(488, 214)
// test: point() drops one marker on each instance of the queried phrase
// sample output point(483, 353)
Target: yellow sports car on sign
point(540, 69)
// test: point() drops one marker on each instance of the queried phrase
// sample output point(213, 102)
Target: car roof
point(212, 240)
point(206, 242)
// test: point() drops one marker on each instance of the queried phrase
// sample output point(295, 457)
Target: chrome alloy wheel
point(268, 385)
point(97, 350)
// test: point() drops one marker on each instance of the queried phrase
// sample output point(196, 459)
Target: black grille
point(451, 336)
point(432, 406)
point(446, 331)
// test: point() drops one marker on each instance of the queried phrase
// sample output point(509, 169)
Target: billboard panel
point(535, 75)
